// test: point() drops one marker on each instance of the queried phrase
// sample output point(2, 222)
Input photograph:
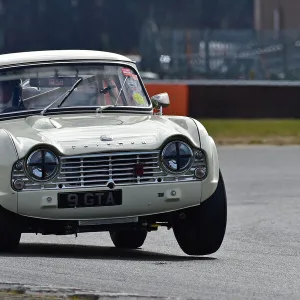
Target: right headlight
point(42, 165)
point(177, 157)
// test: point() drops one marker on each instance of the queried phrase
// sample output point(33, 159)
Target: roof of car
point(58, 55)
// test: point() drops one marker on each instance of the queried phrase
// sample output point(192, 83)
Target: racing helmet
point(11, 94)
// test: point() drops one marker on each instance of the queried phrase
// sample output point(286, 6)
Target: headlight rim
point(189, 165)
point(32, 177)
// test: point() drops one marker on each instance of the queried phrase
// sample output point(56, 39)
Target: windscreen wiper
point(105, 91)
point(121, 91)
point(63, 97)
point(104, 107)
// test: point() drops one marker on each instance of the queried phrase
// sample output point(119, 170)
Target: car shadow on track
point(97, 252)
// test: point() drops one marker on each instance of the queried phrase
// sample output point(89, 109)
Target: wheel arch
point(209, 184)
point(8, 156)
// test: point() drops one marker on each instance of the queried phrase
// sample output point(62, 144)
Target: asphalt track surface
point(259, 258)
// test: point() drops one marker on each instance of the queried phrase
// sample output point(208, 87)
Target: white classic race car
point(84, 149)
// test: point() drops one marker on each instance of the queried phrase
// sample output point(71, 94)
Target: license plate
point(90, 199)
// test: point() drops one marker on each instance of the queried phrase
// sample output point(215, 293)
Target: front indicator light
point(199, 155)
point(18, 184)
point(200, 172)
point(19, 166)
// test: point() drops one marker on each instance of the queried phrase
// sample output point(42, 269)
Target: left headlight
point(177, 157)
point(42, 165)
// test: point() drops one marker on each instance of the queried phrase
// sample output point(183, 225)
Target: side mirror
point(160, 100)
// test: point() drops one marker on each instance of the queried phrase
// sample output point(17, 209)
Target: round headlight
point(177, 157)
point(42, 165)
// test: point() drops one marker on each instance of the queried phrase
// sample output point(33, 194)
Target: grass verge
point(254, 131)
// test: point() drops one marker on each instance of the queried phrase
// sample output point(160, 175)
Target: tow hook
point(154, 227)
point(150, 227)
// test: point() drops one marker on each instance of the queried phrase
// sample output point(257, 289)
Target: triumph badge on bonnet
point(105, 138)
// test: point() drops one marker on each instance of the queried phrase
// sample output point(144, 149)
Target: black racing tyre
point(202, 231)
point(10, 234)
point(128, 239)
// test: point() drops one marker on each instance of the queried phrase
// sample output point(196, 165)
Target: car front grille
point(97, 170)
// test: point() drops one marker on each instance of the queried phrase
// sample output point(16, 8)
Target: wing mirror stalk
point(160, 101)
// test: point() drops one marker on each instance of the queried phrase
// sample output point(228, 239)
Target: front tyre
point(10, 234)
point(128, 239)
point(202, 231)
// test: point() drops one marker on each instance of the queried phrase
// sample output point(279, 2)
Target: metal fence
point(222, 54)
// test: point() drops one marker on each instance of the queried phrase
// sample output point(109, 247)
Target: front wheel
point(10, 234)
point(129, 239)
point(202, 231)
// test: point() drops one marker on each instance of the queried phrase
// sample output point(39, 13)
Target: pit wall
point(230, 99)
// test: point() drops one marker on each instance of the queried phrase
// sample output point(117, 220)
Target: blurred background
point(186, 39)
point(233, 64)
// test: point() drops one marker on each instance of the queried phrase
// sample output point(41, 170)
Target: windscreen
point(31, 88)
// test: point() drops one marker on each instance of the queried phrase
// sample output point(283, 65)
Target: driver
point(11, 96)
point(98, 90)
point(109, 91)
